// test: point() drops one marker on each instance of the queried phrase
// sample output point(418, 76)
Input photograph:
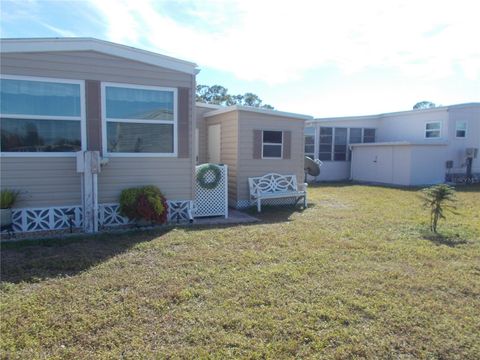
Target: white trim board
point(102, 46)
point(259, 111)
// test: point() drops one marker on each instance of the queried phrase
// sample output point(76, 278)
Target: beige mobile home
point(61, 96)
point(252, 142)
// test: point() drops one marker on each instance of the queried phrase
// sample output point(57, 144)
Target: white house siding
point(339, 170)
point(334, 171)
point(398, 164)
point(457, 146)
point(381, 164)
point(428, 164)
point(410, 126)
point(60, 184)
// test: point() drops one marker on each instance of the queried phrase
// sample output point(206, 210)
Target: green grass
point(357, 275)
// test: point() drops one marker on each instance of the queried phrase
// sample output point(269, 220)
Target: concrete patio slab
point(234, 217)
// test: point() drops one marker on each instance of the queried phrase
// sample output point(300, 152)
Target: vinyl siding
point(92, 66)
point(54, 181)
point(250, 167)
point(172, 176)
point(202, 134)
point(42, 182)
point(228, 148)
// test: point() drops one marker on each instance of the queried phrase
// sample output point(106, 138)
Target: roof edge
point(208, 106)
point(398, 143)
point(102, 46)
point(405, 112)
point(258, 110)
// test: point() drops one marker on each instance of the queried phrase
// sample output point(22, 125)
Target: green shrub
point(8, 198)
point(146, 202)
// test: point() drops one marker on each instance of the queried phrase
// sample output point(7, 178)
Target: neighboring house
point(252, 142)
point(60, 96)
point(414, 147)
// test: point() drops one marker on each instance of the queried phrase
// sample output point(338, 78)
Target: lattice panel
point(178, 211)
point(58, 218)
point(44, 219)
point(212, 202)
point(109, 215)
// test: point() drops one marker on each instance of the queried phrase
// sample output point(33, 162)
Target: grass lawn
point(356, 275)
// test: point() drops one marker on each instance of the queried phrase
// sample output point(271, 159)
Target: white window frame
point(466, 129)
point(103, 87)
point(428, 130)
point(281, 147)
point(81, 118)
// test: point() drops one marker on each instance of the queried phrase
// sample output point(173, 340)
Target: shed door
point(214, 144)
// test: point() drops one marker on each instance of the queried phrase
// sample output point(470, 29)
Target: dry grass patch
point(362, 279)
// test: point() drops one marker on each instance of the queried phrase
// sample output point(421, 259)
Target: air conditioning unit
point(471, 153)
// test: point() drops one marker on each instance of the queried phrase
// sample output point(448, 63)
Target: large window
point(340, 145)
point(139, 120)
point(310, 142)
point(368, 135)
point(325, 143)
point(334, 141)
point(272, 144)
point(432, 130)
point(41, 116)
point(461, 129)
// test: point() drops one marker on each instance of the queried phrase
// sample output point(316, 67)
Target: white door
point(214, 144)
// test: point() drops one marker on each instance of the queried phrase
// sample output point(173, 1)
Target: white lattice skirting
point(178, 211)
point(58, 218)
point(44, 219)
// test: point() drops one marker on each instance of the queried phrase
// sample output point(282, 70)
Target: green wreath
point(202, 176)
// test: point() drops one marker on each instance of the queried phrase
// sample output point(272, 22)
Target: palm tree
point(438, 198)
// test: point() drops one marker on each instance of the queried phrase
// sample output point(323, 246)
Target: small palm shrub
point(438, 199)
point(8, 198)
point(144, 203)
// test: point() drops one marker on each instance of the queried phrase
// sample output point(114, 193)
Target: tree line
point(218, 95)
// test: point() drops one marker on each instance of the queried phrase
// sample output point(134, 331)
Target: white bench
point(276, 186)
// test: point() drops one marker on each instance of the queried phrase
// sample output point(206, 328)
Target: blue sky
point(322, 58)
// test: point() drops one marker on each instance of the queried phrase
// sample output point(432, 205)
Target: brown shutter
point(257, 144)
point(183, 122)
point(94, 115)
point(287, 144)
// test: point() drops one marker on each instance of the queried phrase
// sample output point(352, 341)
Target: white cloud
point(61, 32)
point(278, 41)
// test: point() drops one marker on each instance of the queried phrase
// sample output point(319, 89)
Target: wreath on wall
point(205, 173)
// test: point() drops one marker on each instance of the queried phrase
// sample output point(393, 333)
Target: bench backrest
point(272, 183)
